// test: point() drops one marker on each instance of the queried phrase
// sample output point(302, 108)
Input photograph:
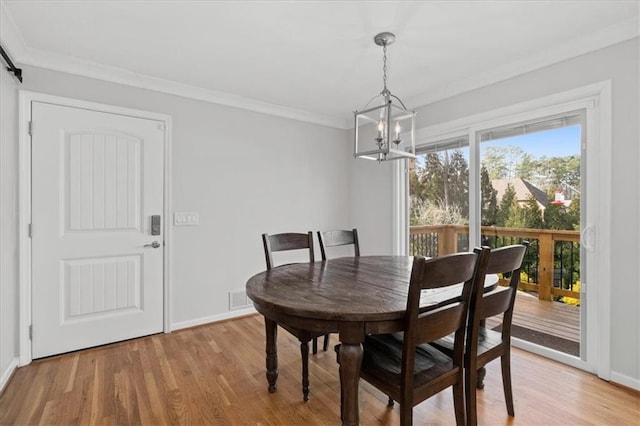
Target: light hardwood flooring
point(215, 375)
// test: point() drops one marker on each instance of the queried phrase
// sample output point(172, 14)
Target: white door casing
point(97, 177)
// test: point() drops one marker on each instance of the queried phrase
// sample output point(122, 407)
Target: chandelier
point(385, 131)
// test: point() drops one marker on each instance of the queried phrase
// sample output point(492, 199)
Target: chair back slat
point(440, 323)
point(507, 259)
point(338, 238)
point(285, 242)
point(445, 271)
point(496, 302)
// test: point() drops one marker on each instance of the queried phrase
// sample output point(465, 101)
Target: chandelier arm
point(370, 100)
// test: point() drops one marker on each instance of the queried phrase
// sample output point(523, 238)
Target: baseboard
point(626, 381)
point(6, 374)
point(213, 318)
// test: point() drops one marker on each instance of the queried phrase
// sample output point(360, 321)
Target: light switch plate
point(186, 218)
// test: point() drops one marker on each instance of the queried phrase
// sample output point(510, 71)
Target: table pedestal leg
point(271, 331)
point(350, 363)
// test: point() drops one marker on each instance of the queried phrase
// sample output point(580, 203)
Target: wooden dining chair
point(403, 365)
point(338, 238)
point(334, 239)
point(286, 242)
point(484, 344)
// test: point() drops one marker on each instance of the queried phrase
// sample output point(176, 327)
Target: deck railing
point(551, 267)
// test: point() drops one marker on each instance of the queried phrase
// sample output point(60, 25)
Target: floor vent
point(238, 300)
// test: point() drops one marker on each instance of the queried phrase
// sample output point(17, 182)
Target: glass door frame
point(595, 99)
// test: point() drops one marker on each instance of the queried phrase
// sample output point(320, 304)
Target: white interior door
point(97, 179)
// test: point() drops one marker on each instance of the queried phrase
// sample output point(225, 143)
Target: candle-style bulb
point(397, 130)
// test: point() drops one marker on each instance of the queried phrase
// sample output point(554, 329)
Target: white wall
point(618, 63)
point(8, 225)
point(245, 173)
point(370, 208)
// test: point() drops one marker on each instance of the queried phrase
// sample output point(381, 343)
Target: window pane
point(530, 190)
point(439, 200)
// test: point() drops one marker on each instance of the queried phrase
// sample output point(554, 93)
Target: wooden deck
point(554, 318)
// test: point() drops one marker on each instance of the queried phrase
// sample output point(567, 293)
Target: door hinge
point(31, 332)
point(30, 230)
point(31, 128)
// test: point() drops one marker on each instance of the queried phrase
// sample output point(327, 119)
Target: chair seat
point(487, 340)
point(301, 334)
point(383, 360)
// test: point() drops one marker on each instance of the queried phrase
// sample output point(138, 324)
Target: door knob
point(154, 244)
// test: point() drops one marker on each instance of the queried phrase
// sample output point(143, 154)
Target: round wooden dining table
point(351, 296)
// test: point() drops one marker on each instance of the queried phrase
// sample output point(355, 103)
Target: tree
point(515, 216)
point(502, 161)
point(526, 168)
point(489, 208)
point(494, 162)
point(458, 182)
point(560, 170)
point(573, 213)
point(432, 178)
point(531, 214)
point(506, 203)
point(555, 217)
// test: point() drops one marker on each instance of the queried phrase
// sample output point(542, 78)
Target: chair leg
point(325, 345)
point(458, 403)
point(406, 414)
point(390, 403)
point(470, 395)
point(505, 362)
point(304, 352)
point(315, 345)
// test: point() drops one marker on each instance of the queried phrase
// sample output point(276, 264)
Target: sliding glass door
point(531, 187)
point(515, 182)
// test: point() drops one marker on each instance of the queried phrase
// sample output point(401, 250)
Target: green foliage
point(560, 170)
point(441, 185)
point(506, 207)
point(436, 213)
point(531, 214)
point(502, 161)
point(489, 196)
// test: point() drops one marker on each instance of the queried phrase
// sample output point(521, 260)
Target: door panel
point(97, 179)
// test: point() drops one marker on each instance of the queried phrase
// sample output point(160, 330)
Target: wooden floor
point(555, 318)
point(215, 375)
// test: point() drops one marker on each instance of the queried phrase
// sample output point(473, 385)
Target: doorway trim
point(596, 99)
point(25, 98)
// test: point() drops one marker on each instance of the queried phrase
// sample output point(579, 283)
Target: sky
point(560, 142)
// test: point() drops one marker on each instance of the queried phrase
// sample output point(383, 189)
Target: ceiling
point(310, 60)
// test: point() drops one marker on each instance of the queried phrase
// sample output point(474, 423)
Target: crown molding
point(25, 55)
point(17, 48)
point(614, 34)
point(81, 67)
